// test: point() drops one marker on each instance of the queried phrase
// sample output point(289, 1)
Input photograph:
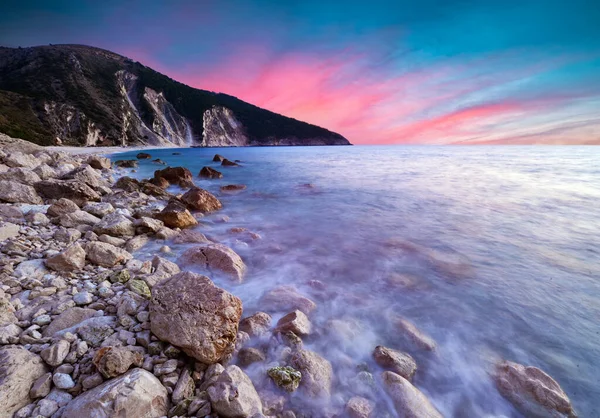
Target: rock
point(126, 164)
point(201, 200)
point(8, 230)
point(233, 395)
point(180, 176)
point(13, 192)
point(37, 218)
point(419, 339)
point(19, 369)
point(232, 187)
point(72, 259)
point(9, 332)
point(408, 400)
point(78, 192)
point(136, 243)
point(116, 225)
point(20, 175)
point(87, 175)
point(296, 321)
point(46, 408)
point(249, 355)
point(63, 381)
point(395, 361)
point(191, 313)
point(532, 391)
point(61, 207)
point(286, 378)
point(176, 215)
point(99, 209)
point(78, 218)
point(7, 311)
point(99, 163)
point(10, 213)
point(146, 225)
point(286, 298)
point(184, 389)
point(218, 158)
point(257, 324)
point(359, 407)
point(41, 387)
point(128, 184)
point(189, 236)
point(317, 373)
point(56, 353)
point(160, 182)
point(135, 394)
point(215, 257)
point(20, 159)
point(95, 330)
point(68, 319)
point(140, 287)
point(226, 162)
point(45, 172)
point(117, 242)
point(167, 367)
point(67, 235)
point(92, 381)
point(114, 361)
point(143, 156)
point(83, 298)
point(106, 255)
point(210, 173)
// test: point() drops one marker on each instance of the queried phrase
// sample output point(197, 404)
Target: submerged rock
point(99, 163)
point(234, 396)
point(143, 156)
point(218, 158)
point(286, 298)
point(317, 373)
point(210, 173)
point(176, 215)
point(532, 391)
point(257, 324)
point(415, 335)
point(286, 378)
point(233, 187)
point(359, 407)
point(215, 257)
point(180, 176)
point(396, 361)
point(409, 401)
point(226, 162)
point(201, 200)
point(296, 321)
point(126, 163)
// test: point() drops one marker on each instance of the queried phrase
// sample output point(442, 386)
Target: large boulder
point(532, 391)
point(8, 230)
point(215, 257)
point(409, 401)
point(114, 361)
point(233, 395)
point(135, 394)
point(19, 159)
point(78, 192)
point(317, 373)
point(106, 255)
point(395, 361)
point(61, 207)
point(116, 225)
point(98, 162)
point(19, 369)
point(210, 173)
point(190, 312)
point(201, 200)
point(71, 259)
point(87, 175)
point(143, 156)
point(176, 215)
point(68, 319)
point(79, 217)
point(286, 298)
point(14, 192)
point(20, 175)
point(180, 176)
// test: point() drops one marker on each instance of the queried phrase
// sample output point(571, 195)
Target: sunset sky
point(378, 72)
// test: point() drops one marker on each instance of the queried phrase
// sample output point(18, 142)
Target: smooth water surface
point(492, 251)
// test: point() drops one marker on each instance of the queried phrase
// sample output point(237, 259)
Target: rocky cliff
point(80, 95)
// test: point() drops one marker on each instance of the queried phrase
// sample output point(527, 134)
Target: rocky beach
point(92, 326)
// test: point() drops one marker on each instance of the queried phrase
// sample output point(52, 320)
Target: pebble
point(63, 381)
point(83, 298)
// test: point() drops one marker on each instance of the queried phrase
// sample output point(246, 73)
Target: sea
point(494, 252)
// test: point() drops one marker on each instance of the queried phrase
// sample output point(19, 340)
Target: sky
point(378, 72)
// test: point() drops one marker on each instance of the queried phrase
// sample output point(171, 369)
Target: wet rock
point(201, 200)
point(106, 255)
point(114, 361)
point(233, 187)
point(99, 209)
point(56, 353)
point(417, 337)
point(126, 164)
point(116, 225)
point(215, 257)
point(176, 215)
point(99, 163)
point(296, 321)
point(408, 400)
point(210, 173)
point(532, 391)
point(61, 207)
point(78, 218)
point(358, 407)
point(317, 373)
point(143, 156)
point(8, 230)
point(19, 369)
point(286, 298)
point(191, 313)
point(72, 259)
point(227, 163)
point(190, 236)
point(135, 394)
point(13, 192)
point(286, 378)
point(41, 387)
point(257, 324)
point(395, 361)
point(78, 192)
point(67, 319)
point(180, 176)
point(160, 182)
point(249, 355)
point(146, 225)
point(233, 395)
point(128, 184)
point(218, 158)
point(162, 269)
point(136, 243)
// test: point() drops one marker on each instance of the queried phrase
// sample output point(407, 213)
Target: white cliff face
point(167, 122)
point(222, 129)
point(69, 122)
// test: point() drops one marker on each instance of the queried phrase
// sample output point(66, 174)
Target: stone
point(226, 162)
point(99, 163)
point(20, 159)
point(117, 242)
point(115, 361)
point(7, 311)
point(92, 381)
point(20, 175)
point(126, 163)
point(136, 243)
point(72, 259)
point(180, 176)
point(147, 225)
point(408, 400)
point(9, 333)
point(286, 378)
point(160, 182)
point(41, 387)
point(176, 215)
point(37, 219)
point(189, 236)
point(218, 158)
point(162, 269)
point(415, 335)
point(14, 192)
point(167, 367)
point(95, 330)
point(201, 200)
point(99, 209)
point(215, 257)
point(83, 298)
point(533, 392)
point(68, 319)
point(395, 361)
point(89, 176)
point(232, 187)
point(61, 207)
point(77, 218)
point(286, 298)
point(135, 394)
point(8, 230)
point(359, 407)
point(10, 213)
point(257, 324)
point(56, 353)
point(46, 407)
point(75, 190)
point(140, 287)
point(249, 355)
point(143, 156)
point(210, 173)
point(317, 373)
point(67, 235)
point(19, 370)
point(106, 255)
point(233, 395)
point(296, 321)
point(185, 386)
point(193, 314)
point(128, 184)
point(116, 225)
point(63, 381)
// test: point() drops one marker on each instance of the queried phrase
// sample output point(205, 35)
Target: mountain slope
point(80, 95)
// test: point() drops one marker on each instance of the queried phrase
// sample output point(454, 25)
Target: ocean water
point(494, 252)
